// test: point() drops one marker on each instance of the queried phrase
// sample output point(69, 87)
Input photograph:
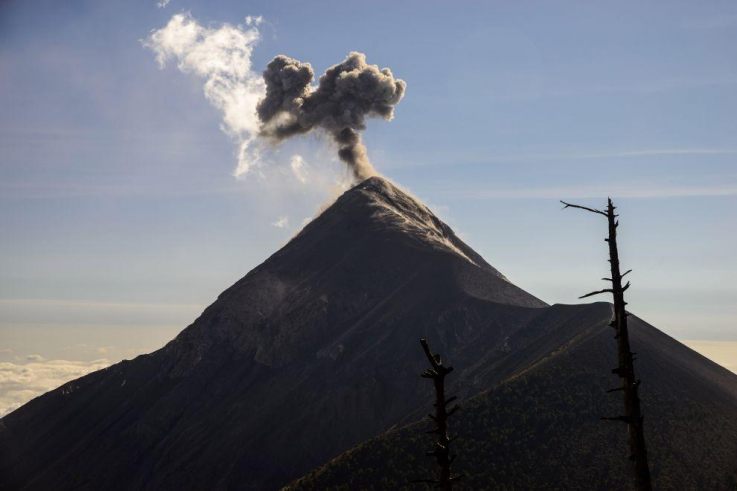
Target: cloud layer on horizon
point(19, 383)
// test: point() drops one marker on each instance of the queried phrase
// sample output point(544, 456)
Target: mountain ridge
point(699, 452)
point(311, 353)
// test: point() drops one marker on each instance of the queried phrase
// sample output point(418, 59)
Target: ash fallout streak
point(347, 94)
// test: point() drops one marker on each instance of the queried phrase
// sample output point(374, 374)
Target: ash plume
point(347, 94)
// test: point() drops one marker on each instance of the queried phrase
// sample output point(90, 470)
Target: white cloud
point(281, 222)
point(299, 168)
point(34, 358)
point(253, 21)
point(222, 57)
point(19, 383)
point(162, 4)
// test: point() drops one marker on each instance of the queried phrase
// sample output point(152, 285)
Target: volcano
point(316, 351)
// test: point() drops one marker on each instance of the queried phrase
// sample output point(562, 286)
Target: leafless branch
point(592, 210)
point(606, 290)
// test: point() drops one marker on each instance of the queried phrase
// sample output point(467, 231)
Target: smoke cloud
point(347, 94)
point(284, 102)
point(221, 56)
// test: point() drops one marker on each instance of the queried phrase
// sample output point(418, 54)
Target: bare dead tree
point(442, 454)
point(625, 369)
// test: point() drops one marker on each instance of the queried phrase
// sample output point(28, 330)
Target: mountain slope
point(311, 353)
point(541, 428)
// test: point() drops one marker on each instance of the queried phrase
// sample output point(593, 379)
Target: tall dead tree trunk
point(625, 369)
point(442, 454)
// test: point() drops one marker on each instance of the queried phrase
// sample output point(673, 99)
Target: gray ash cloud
point(347, 94)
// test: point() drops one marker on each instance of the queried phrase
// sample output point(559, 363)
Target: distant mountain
point(316, 350)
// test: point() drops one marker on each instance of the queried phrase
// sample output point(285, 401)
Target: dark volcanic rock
point(311, 353)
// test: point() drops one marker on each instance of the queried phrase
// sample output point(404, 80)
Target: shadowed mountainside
point(315, 351)
point(541, 428)
point(303, 358)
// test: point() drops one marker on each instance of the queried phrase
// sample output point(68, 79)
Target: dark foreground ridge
point(540, 428)
point(314, 352)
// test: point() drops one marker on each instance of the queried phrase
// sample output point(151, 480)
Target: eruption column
point(347, 94)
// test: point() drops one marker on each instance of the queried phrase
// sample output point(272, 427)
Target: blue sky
point(122, 220)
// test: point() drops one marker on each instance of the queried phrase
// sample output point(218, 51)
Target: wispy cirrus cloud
point(608, 154)
point(637, 153)
point(641, 190)
point(532, 158)
point(84, 304)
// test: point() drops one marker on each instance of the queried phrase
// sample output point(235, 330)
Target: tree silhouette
point(442, 454)
point(625, 369)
